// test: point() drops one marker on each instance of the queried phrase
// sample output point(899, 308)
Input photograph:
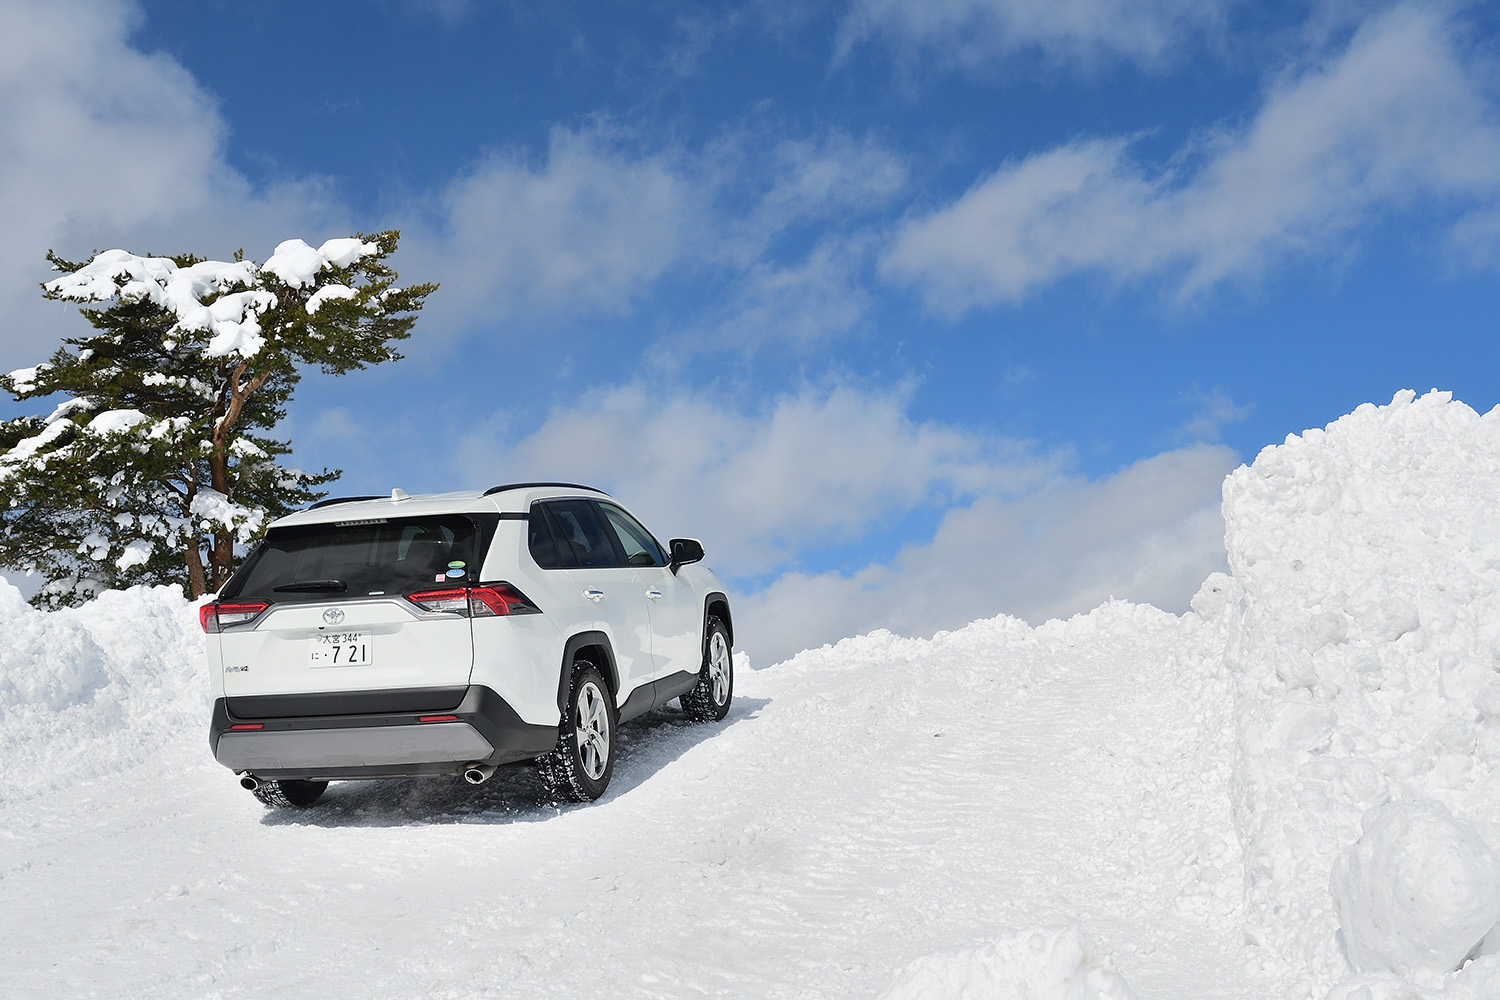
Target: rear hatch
point(339, 615)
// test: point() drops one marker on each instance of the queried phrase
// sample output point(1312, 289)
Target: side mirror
point(684, 551)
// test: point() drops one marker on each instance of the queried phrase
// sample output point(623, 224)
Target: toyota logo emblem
point(333, 616)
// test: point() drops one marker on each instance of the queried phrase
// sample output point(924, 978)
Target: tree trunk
point(196, 583)
point(222, 559)
point(221, 554)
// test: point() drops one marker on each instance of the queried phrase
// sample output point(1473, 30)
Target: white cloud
point(593, 227)
point(1398, 119)
point(832, 175)
point(1212, 410)
point(806, 471)
point(590, 229)
point(1150, 533)
point(978, 32)
point(814, 190)
point(795, 303)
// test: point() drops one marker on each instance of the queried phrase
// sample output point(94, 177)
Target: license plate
point(340, 649)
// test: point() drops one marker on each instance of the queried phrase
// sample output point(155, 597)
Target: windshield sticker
point(456, 573)
point(457, 564)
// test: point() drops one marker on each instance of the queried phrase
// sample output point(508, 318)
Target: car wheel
point(709, 700)
point(290, 792)
point(578, 768)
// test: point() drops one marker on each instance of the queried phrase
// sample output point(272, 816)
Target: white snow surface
point(1417, 893)
point(296, 263)
point(1044, 964)
point(1124, 804)
point(114, 421)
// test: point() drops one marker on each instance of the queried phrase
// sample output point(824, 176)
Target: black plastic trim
point(292, 706)
point(529, 486)
point(511, 737)
point(333, 500)
point(672, 685)
point(721, 597)
point(514, 515)
point(641, 701)
point(570, 651)
point(655, 694)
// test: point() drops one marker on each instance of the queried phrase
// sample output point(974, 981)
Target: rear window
point(360, 558)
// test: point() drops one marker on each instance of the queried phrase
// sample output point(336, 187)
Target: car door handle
point(594, 594)
point(654, 594)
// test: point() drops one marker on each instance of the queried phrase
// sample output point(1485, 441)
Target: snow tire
point(296, 793)
point(579, 767)
point(709, 700)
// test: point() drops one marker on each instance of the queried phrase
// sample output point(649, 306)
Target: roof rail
point(333, 500)
point(527, 486)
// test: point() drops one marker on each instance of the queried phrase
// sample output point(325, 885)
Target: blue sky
point(915, 310)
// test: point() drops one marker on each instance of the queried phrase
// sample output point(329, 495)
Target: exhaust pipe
point(249, 782)
point(478, 774)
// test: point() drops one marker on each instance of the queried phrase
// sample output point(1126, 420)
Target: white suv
point(449, 634)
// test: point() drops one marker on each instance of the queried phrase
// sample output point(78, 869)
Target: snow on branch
point(221, 298)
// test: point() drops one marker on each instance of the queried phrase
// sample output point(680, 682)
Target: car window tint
point(579, 528)
point(565, 556)
point(539, 539)
point(367, 557)
point(641, 549)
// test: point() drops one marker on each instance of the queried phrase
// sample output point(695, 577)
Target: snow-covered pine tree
point(157, 466)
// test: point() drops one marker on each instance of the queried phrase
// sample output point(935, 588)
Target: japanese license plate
point(340, 649)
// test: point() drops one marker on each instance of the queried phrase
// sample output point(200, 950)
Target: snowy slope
point(1124, 804)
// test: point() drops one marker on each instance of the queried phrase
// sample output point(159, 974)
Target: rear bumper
point(358, 743)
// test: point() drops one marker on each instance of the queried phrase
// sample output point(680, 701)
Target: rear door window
point(539, 540)
point(579, 529)
point(361, 558)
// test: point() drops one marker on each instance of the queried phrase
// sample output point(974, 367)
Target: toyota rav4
point(378, 637)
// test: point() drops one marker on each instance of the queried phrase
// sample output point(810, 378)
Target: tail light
point(476, 602)
point(499, 599)
point(217, 617)
point(452, 599)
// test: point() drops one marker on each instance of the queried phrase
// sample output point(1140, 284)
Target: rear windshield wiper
point(312, 585)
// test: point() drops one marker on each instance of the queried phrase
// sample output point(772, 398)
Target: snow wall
point(1362, 621)
point(1360, 638)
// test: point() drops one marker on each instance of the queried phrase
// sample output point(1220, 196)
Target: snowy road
point(863, 807)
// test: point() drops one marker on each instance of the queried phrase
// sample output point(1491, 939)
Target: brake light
point(500, 599)
point(476, 602)
point(216, 617)
point(248, 725)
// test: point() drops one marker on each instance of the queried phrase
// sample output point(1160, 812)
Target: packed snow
point(1292, 791)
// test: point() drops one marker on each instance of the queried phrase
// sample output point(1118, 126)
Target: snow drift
point(1304, 771)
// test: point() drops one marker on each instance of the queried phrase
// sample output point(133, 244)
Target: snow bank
point(91, 690)
point(1049, 964)
point(1364, 641)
